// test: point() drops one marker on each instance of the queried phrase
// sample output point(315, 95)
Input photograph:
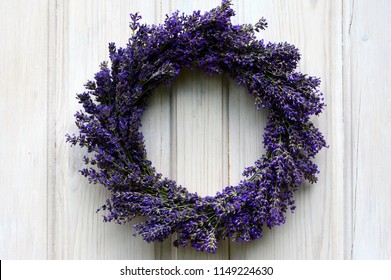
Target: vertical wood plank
point(23, 121)
point(156, 128)
point(199, 136)
point(367, 63)
point(313, 232)
point(199, 127)
point(84, 30)
point(246, 126)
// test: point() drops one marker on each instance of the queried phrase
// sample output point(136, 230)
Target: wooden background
point(202, 131)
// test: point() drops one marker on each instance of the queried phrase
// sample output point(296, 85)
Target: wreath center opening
point(202, 131)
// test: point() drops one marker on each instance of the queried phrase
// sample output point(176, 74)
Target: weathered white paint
point(367, 103)
point(23, 123)
point(201, 131)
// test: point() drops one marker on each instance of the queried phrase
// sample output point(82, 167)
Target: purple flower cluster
point(109, 127)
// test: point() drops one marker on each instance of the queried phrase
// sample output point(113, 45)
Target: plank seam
point(51, 123)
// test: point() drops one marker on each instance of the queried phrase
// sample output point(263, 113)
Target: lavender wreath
point(109, 127)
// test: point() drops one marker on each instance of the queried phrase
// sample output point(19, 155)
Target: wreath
point(109, 127)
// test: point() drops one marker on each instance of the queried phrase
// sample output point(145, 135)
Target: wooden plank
point(156, 126)
point(367, 63)
point(199, 141)
point(23, 120)
point(200, 133)
point(245, 142)
point(313, 232)
point(84, 30)
point(157, 134)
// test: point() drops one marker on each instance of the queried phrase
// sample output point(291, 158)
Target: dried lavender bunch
point(109, 127)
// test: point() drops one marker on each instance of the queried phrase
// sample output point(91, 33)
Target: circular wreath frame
point(109, 127)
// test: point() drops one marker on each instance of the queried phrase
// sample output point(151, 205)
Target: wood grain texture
point(367, 63)
point(23, 121)
point(201, 131)
point(158, 134)
point(200, 158)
